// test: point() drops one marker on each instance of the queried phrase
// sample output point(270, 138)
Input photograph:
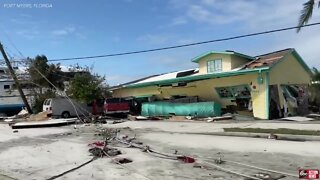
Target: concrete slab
point(288, 125)
point(237, 144)
point(6, 132)
point(204, 127)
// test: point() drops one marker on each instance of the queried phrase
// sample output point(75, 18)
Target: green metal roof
point(198, 77)
point(197, 59)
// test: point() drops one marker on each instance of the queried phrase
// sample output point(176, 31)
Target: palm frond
point(316, 74)
point(306, 13)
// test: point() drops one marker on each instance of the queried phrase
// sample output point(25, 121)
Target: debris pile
point(100, 149)
point(122, 160)
point(112, 136)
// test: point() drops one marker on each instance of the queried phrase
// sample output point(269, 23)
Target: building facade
point(268, 86)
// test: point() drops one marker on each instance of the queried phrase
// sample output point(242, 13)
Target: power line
point(171, 47)
point(9, 54)
point(185, 45)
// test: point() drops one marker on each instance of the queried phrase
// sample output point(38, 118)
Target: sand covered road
point(44, 152)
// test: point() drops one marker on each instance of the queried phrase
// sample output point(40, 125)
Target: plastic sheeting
point(200, 109)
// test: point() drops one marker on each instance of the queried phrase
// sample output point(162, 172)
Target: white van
point(65, 108)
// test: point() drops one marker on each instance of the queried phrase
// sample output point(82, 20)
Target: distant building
point(268, 86)
point(10, 100)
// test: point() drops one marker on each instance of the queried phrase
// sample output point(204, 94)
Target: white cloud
point(254, 16)
point(28, 33)
point(60, 32)
point(114, 80)
point(64, 31)
point(179, 21)
point(306, 43)
point(26, 15)
point(251, 13)
point(155, 38)
point(116, 39)
point(81, 35)
point(172, 61)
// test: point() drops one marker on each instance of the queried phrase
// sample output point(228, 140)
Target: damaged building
point(267, 86)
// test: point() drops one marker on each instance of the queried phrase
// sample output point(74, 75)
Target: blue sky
point(72, 28)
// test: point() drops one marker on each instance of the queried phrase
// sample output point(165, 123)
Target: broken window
point(242, 91)
point(6, 87)
point(224, 92)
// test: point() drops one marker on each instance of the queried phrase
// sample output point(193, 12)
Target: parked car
point(116, 106)
point(65, 108)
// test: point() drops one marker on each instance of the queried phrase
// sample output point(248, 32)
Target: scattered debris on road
point(40, 124)
point(297, 118)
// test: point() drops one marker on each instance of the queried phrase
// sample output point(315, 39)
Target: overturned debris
point(100, 149)
point(187, 159)
point(315, 116)
point(267, 176)
point(219, 118)
point(22, 114)
point(298, 119)
point(42, 116)
point(96, 152)
point(201, 162)
point(40, 124)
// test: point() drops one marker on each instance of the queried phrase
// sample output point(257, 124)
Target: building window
point(214, 66)
point(240, 92)
point(225, 92)
point(6, 87)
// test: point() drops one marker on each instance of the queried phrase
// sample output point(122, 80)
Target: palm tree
point(306, 13)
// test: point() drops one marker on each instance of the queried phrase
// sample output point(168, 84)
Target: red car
point(116, 105)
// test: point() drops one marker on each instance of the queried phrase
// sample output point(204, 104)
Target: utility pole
point(15, 79)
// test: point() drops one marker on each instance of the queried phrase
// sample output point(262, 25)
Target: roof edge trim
point(197, 58)
point(198, 77)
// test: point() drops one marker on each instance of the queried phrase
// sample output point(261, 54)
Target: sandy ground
point(44, 152)
point(204, 127)
point(7, 134)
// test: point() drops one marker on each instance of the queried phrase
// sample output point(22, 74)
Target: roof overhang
point(198, 77)
point(198, 58)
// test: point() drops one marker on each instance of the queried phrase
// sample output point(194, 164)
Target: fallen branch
point(73, 169)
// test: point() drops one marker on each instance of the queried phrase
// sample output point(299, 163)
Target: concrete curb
point(287, 137)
